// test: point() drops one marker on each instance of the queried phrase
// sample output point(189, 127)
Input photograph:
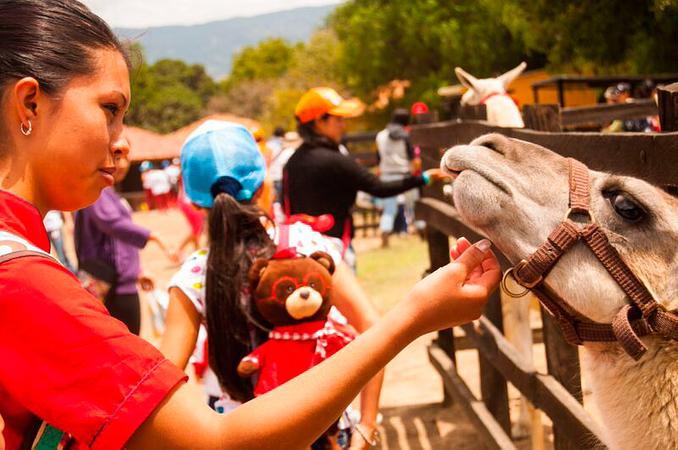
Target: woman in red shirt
point(70, 372)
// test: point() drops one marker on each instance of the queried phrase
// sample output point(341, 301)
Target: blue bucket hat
point(219, 157)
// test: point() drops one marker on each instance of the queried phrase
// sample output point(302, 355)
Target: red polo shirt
point(63, 358)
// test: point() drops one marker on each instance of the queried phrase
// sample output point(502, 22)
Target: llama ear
point(508, 77)
point(325, 260)
point(256, 271)
point(466, 78)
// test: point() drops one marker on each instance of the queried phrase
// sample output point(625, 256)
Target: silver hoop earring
point(26, 132)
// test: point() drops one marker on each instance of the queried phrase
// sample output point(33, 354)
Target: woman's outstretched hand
point(457, 292)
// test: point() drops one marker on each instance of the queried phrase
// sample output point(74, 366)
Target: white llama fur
point(516, 192)
point(501, 110)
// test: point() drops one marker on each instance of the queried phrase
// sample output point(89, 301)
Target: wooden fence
point(650, 156)
point(364, 152)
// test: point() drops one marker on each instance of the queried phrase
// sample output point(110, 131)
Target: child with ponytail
point(223, 171)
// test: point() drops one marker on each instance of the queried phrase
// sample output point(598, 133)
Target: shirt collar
point(20, 217)
point(301, 331)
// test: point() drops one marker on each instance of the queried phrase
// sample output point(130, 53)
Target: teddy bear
point(292, 293)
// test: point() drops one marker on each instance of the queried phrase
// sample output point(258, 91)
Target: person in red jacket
point(71, 375)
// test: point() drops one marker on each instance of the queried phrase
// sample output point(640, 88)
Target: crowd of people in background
point(621, 93)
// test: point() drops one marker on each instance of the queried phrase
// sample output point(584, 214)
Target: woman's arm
point(182, 323)
point(296, 413)
point(111, 219)
point(361, 179)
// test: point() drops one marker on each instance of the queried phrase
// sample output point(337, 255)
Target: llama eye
point(628, 209)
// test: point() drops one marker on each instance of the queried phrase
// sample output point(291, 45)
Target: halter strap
point(643, 316)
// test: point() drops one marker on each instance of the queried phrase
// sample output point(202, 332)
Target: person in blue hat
point(223, 171)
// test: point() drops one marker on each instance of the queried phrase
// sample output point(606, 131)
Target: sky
point(151, 13)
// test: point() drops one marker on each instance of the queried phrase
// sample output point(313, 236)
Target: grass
point(388, 274)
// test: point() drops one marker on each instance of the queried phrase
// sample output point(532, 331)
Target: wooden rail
point(650, 156)
point(489, 429)
point(601, 114)
point(543, 390)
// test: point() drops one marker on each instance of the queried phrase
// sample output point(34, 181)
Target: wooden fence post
point(439, 255)
point(667, 100)
point(562, 362)
point(492, 383)
point(542, 117)
point(473, 112)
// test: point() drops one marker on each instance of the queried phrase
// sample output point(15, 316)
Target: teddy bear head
point(290, 291)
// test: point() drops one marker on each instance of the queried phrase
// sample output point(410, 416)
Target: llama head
point(479, 88)
point(516, 193)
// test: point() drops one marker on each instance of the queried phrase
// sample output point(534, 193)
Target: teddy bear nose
point(304, 294)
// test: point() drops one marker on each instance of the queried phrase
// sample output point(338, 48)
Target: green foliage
point(605, 36)
point(168, 94)
point(368, 43)
point(267, 60)
point(267, 79)
point(418, 41)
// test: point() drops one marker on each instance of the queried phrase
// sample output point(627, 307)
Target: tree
point(267, 60)
point(605, 36)
point(422, 41)
point(168, 94)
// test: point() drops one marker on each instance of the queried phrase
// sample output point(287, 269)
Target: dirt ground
point(412, 394)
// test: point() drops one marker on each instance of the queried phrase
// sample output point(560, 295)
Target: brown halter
point(643, 316)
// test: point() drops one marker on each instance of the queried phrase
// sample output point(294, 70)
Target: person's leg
point(125, 308)
point(388, 214)
point(400, 223)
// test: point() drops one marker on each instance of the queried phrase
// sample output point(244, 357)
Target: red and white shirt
point(63, 359)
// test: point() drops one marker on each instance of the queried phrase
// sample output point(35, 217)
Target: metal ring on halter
point(570, 212)
point(505, 288)
point(24, 131)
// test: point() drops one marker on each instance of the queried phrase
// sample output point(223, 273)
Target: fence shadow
point(427, 427)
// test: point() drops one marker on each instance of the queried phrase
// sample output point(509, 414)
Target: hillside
point(213, 44)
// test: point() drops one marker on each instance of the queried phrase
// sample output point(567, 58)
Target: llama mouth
point(456, 170)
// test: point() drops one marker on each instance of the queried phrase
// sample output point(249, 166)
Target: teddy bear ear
point(256, 271)
point(325, 260)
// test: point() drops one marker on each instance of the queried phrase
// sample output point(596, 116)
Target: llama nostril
point(304, 295)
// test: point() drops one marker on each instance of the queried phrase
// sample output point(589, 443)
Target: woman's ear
point(325, 260)
point(26, 96)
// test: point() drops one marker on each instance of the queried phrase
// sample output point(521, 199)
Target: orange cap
point(323, 100)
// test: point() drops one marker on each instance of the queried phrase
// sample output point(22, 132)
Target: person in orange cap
point(319, 180)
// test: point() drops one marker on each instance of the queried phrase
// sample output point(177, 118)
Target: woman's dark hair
point(51, 41)
point(307, 130)
point(237, 237)
point(400, 116)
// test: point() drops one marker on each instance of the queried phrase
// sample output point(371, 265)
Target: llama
point(501, 109)
point(515, 193)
